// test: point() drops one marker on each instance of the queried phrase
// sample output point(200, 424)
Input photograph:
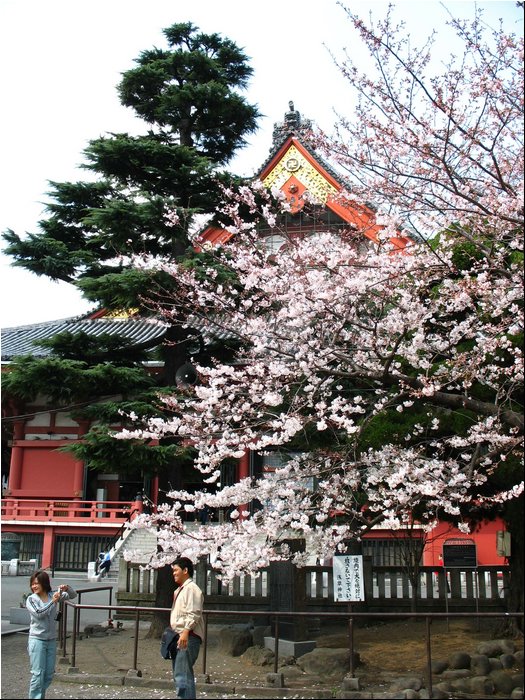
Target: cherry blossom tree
point(390, 381)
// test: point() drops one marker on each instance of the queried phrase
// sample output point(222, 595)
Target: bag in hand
point(168, 643)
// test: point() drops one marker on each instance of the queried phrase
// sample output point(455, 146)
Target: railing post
point(429, 657)
point(351, 639)
point(136, 641)
point(76, 626)
point(276, 647)
point(64, 633)
point(74, 641)
point(205, 640)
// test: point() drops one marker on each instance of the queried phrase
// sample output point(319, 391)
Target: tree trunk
point(163, 599)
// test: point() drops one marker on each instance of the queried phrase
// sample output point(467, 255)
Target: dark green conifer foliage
point(189, 95)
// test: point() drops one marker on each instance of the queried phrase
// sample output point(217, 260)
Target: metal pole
point(351, 640)
point(74, 642)
point(429, 658)
point(76, 628)
point(136, 642)
point(205, 640)
point(64, 633)
point(476, 596)
point(276, 648)
point(446, 597)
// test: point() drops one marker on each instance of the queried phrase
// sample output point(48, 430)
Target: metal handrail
point(62, 629)
point(350, 616)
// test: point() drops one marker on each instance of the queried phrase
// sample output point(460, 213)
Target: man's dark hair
point(184, 563)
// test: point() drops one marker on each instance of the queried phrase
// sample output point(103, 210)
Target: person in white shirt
point(42, 642)
point(187, 621)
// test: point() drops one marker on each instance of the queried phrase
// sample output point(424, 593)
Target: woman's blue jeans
point(183, 664)
point(42, 656)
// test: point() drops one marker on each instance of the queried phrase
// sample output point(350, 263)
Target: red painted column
point(47, 550)
point(78, 473)
point(17, 458)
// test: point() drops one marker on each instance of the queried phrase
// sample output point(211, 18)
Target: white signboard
point(349, 584)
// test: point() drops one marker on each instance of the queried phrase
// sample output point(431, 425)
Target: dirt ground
point(386, 651)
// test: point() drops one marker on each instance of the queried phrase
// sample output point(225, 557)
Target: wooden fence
point(387, 589)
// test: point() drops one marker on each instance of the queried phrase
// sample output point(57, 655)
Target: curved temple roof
point(20, 340)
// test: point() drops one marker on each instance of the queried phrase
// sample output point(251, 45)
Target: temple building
point(61, 511)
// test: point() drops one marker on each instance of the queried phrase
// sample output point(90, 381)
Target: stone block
point(289, 648)
point(351, 683)
point(503, 682)
point(481, 686)
point(480, 665)
point(459, 660)
point(19, 616)
point(275, 680)
point(508, 660)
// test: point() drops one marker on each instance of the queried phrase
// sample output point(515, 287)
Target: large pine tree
point(144, 197)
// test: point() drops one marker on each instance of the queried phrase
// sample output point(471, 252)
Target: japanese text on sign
point(348, 578)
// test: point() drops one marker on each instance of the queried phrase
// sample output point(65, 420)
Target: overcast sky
point(62, 59)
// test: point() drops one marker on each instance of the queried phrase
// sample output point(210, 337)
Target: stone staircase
point(143, 541)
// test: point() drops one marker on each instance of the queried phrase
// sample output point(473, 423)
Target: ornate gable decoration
point(294, 174)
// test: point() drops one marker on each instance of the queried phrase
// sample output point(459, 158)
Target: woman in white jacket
point(42, 644)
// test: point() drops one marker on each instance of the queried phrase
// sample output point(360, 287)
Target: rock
point(503, 682)
point(508, 660)
point(288, 661)
point(327, 662)
point(517, 679)
point(291, 672)
point(459, 660)
point(461, 685)
point(235, 639)
point(407, 683)
point(481, 686)
point(259, 632)
point(258, 656)
point(454, 674)
point(438, 666)
point(518, 655)
point(495, 664)
point(517, 693)
point(444, 686)
point(480, 665)
point(410, 694)
point(95, 630)
point(495, 647)
point(437, 694)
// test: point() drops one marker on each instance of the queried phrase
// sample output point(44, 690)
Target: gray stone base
point(289, 648)
point(19, 616)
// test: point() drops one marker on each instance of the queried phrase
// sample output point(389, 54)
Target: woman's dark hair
point(43, 579)
point(184, 563)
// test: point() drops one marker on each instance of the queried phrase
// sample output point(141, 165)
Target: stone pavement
point(104, 663)
point(112, 681)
